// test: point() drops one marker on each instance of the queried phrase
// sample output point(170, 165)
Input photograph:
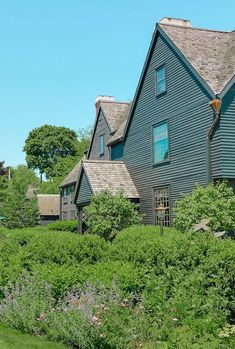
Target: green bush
point(108, 214)
point(215, 202)
point(144, 290)
point(71, 226)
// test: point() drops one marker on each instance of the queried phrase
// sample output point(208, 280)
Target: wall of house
point(102, 128)
point(84, 193)
point(185, 106)
point(227, 134)
point(68, 208)
point(117, 151)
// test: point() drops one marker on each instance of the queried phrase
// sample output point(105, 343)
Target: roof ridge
point(196, 28)
point(115, 102)
point(103, 161)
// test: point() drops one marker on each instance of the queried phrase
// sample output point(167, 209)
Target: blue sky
point(56, 56)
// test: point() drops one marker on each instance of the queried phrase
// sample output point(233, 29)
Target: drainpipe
point(215, 104)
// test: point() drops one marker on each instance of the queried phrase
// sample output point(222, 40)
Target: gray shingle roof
point(118, 135)
point(211, 53)
point(115, 113)
point(109, 175)
point(49, 204)
point(72, 177)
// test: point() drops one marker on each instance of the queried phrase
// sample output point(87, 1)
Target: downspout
point(215, 104)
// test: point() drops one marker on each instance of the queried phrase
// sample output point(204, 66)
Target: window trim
point(165, 160)
point(101, 154)
point(155, 71)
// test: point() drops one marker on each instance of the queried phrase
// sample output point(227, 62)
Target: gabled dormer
point(110, 116)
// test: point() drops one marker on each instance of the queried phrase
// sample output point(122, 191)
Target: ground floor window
point(162, 196)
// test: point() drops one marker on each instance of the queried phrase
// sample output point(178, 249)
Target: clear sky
point(56, 56)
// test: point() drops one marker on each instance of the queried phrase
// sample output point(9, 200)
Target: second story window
point(160, 80)
point(160, 143)
point(101, 146)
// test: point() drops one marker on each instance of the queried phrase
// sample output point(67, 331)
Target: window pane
point(160, 80)
point(160, 143)
point(162, 197)
point(101, 145)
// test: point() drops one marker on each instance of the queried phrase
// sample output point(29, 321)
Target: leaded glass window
point(162, 197)
point(160, 143)
point(161, 80)
point(101, 145)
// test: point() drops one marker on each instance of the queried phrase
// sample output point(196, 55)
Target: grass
point(13, 339)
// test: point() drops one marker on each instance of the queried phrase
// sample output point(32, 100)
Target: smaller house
point(48, 205)
point(68, 209)
point(97, 176)
point(49, 208)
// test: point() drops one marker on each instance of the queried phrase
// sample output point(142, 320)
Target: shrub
point(216, 202)
point(108, 214)
point(71, 226)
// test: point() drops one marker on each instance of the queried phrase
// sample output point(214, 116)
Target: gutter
point(215, 104)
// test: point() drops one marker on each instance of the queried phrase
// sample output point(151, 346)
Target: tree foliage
point(18, 210)
point(215, 202)
point(46, 144)
point(108, 214)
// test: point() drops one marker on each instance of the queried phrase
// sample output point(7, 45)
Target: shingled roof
point(210, 52)
point(48, 204)
point(72, 177)
point(115, 113)
point(109, 175)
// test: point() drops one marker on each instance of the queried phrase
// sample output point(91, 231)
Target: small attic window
point(160, 79)
point(101, 146)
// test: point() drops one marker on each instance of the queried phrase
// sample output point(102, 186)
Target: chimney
point(176, 21)
point(100, 99)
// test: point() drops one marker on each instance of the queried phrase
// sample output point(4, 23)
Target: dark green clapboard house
point(180, 128)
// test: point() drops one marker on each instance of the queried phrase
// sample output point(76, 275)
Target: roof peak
point(194, 28)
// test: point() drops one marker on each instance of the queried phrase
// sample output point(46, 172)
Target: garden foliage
point(71, 226)
point(108, 214)
point(215, 202)
point(140, 291)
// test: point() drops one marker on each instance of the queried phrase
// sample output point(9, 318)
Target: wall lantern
point(161, 213)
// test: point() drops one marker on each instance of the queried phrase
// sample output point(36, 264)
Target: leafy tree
point(46, 144)
point(108, 214)
point(215, 202)
point(4, 182)
point(18, 210)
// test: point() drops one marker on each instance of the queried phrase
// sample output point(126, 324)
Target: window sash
point(160, 80)
point(160, 143)
point(101, 145)
point(162, 196)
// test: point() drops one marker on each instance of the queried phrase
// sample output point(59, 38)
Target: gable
point(84, 192)
point(101, 128)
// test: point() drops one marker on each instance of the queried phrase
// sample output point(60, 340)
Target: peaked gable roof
point(107, 175)
point(184, 40)
point(210, 52)
point(115, 114)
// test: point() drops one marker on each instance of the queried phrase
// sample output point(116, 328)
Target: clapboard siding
point(227, 134)
point(185, 106)
point(102, 128)
point(84, 193)
point(117, 151)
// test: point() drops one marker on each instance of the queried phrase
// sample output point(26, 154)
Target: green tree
point(215, 202)
point(108, 214)
point(46, 144)
point(18, 210)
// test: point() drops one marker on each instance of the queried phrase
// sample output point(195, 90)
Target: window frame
point(101, 155)
point(162, 66)
point(168, 134)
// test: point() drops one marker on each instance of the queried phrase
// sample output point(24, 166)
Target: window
point(160, 143)
point(101, 145)
point(160, 80)
point(161, 196)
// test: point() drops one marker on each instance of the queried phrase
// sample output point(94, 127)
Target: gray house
point(180, 128)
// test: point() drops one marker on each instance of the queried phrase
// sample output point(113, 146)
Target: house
point(48, 205)
point(180, 128)
point(68, 210)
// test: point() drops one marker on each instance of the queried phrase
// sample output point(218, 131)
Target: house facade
point(180, 128)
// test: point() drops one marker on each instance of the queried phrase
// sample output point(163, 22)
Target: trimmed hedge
point(71, 226)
